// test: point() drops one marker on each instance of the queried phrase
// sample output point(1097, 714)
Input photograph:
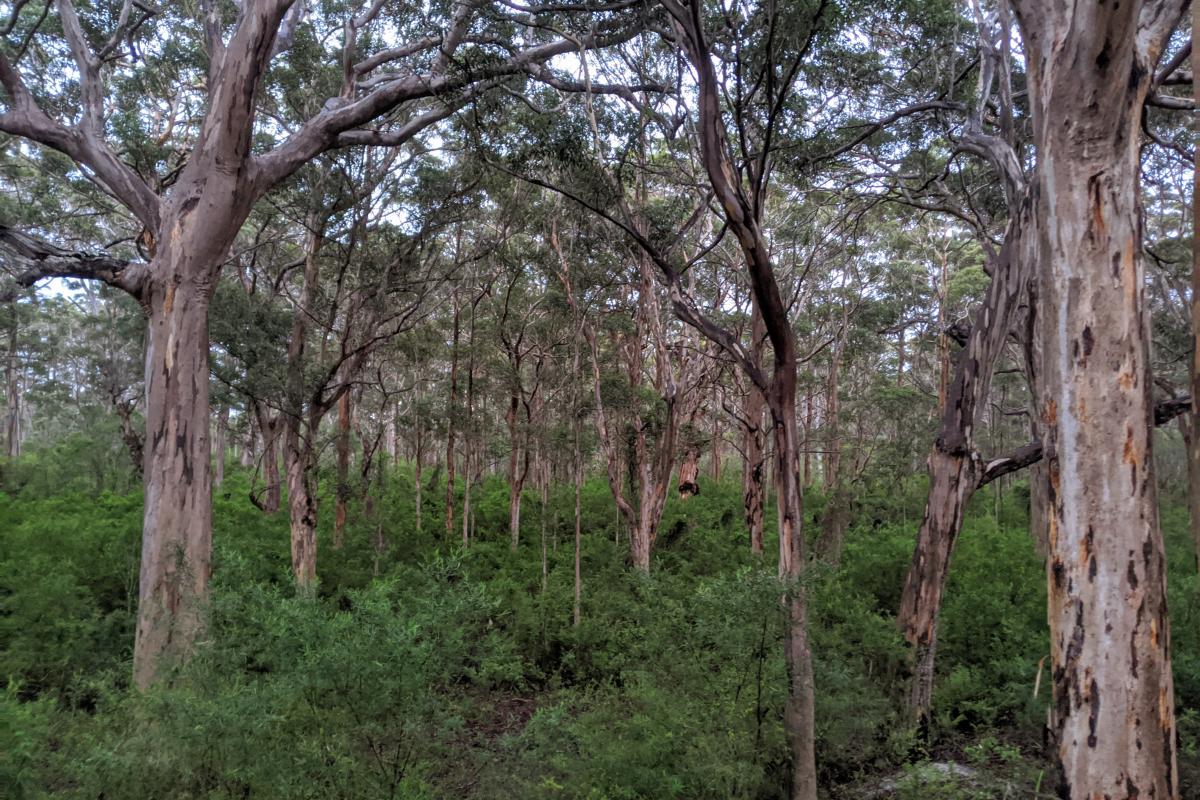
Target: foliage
point(458, 674)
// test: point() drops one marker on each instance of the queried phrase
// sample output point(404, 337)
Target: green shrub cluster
point(427, 671)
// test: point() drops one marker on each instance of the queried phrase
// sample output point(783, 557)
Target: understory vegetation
point(434, 672)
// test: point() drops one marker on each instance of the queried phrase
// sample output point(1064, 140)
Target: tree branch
point(49, 261)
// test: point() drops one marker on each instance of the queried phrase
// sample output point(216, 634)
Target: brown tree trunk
point(273, 497)
point(343, 470)
point(269, 424)
point(177, 523)
point(799, 721)
point(955, 468)
point(754, 442)
point(1113, 714)
point(689, 472)
point(130, 435)
point(221, 446)
point(299, 457)
point(302, 506)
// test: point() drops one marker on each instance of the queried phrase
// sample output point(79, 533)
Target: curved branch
point(49, 261)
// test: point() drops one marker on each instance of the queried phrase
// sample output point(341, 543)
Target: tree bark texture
point(1113, 715)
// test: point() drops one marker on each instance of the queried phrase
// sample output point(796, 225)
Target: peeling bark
point(1113, 715)
point(754, 495)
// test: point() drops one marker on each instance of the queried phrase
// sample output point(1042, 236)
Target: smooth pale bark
point(1113, 718)
point(177, 522)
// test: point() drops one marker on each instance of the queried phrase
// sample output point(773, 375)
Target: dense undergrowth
point(459, 674)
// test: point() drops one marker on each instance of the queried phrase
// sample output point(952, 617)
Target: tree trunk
point(451, 413)
point(221, 446)
point(418, 457)
point(300, 428)
point(798, 722)
point(516, 472)
point(177, 522)
point(689, 472)
point(1191, 445)
point(718, 439)
point(130, 435)
point(754, 442)
point(808, 428)
point(246, 457)
point(1113, 713)
point(269, 425)
point(577, 464)
point(1194, 444)
point(12, 428)
point(302, 506)
point(343, 470)
point(836, 517)
point(954, 465)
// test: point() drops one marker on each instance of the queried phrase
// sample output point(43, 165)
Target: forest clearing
point(599, 399)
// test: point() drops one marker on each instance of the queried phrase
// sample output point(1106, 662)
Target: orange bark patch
point(1129, 274)
point(1131, 454)
point(1125, 381)
point(1154, 633)
point(1050, 415)
point(169, 300)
